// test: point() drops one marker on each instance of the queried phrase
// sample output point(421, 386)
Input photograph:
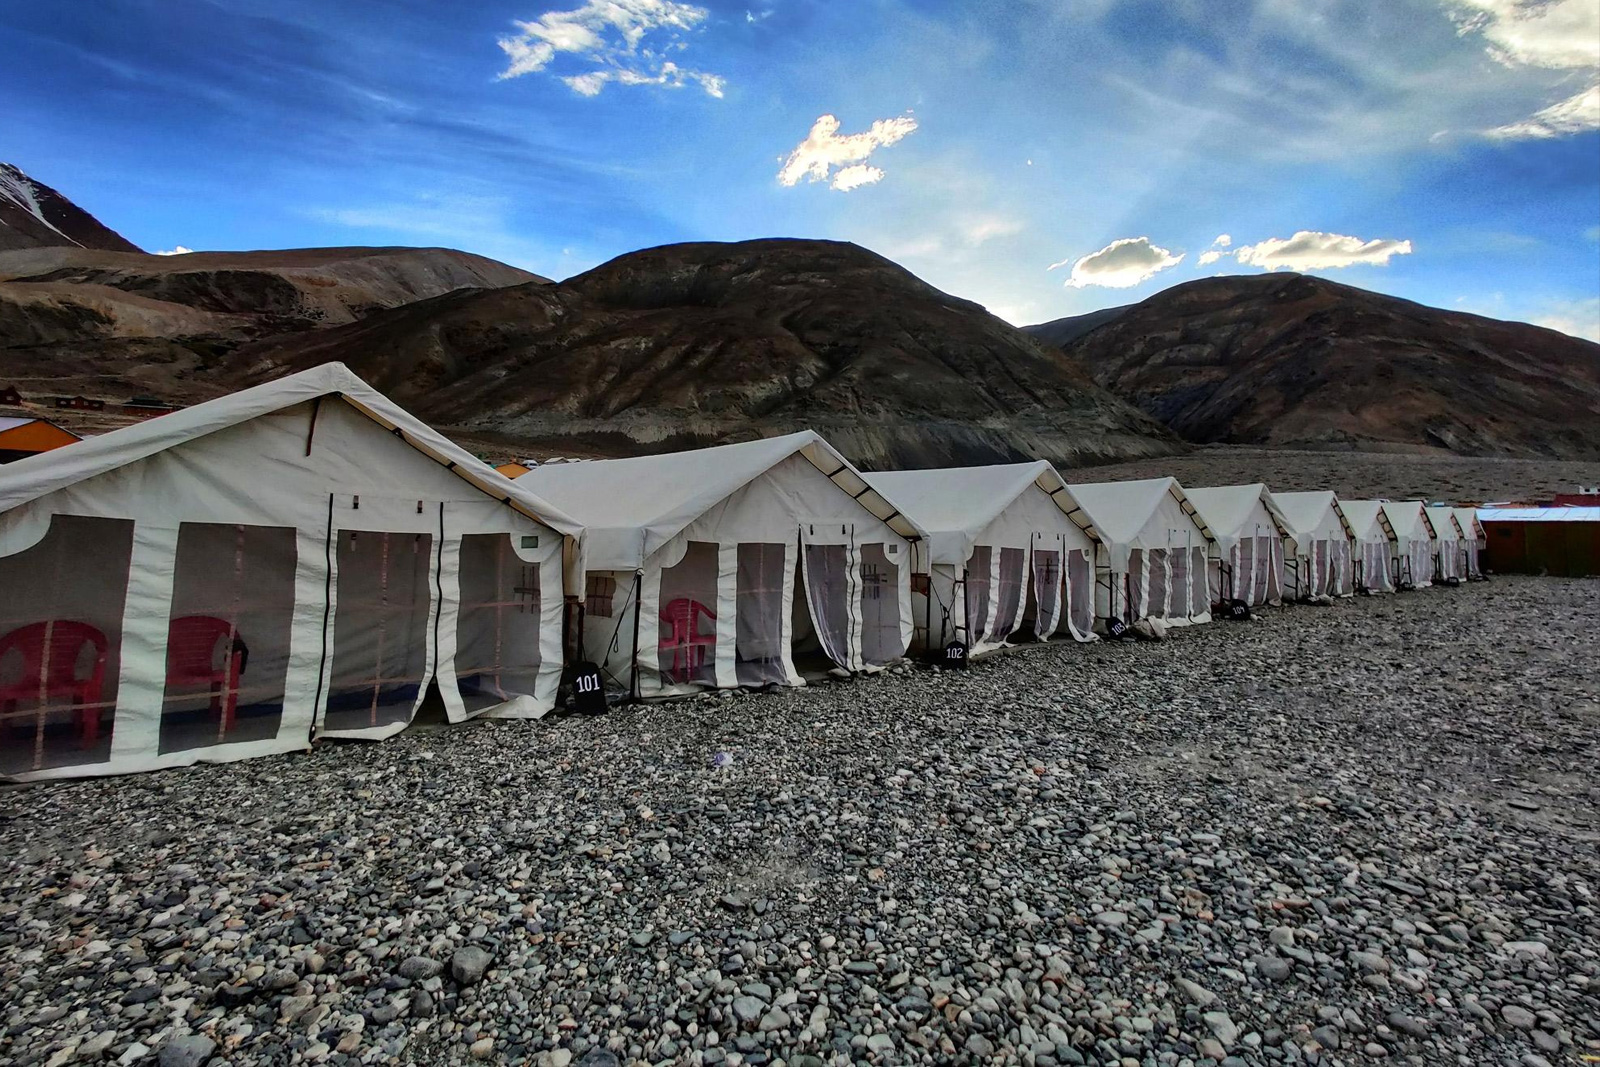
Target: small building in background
point(148, 407)
point(513, 470)
point(22, 437)
point(79, 403)
point(9, 397)
point(1585, 497)
point(1560, 541)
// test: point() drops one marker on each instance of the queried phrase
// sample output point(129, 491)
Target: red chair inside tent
point(685, 641)
point(50, 652)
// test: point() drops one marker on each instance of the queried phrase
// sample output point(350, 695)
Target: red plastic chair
point(60, 643)
point(192, 660)
point(687, 644)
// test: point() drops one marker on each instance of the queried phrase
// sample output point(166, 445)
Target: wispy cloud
point(1122, 264)
point(824, 149)
point(176, 251)
point(610, 34)
point(1580, 318)
point(1557, 35)
point(1314, 250)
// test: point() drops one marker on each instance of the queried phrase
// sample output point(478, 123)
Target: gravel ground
point(1334, 836)
point(1456, 479)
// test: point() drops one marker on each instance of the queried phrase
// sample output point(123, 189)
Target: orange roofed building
point(20, 437)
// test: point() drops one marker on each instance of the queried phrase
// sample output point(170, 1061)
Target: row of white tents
point(303, 559)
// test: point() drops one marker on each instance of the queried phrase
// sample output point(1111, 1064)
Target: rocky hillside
point(695, 343)
point(1285, 360)
point(108, 323)
point(33, 215)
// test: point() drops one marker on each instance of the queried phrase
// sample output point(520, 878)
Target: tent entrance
point(228, 635)
point(61, 644)
point(761, 587)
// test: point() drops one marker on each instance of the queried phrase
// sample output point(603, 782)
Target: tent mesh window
point(979, 566)
point(880, 607)
point(498, 627)
point(599, 596)
point(1198, 603)
point(687, 650)
point(1080, 590)
point(1138, 600)
point(1046, 590)
point(1160, 603)
point(228, 635)
point(380, 628)
point(759, 596)
point(827, 574)
point(61, 606)
point(1341, 568)
point(1013, 579)
point(1249, 574)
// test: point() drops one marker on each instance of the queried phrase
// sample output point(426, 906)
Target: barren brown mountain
point(695, 343)
point(1289, 361)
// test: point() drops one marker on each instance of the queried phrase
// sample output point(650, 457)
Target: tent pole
point(633, 672)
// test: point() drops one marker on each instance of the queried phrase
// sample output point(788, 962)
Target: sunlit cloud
point(1313, 250)
point(1122, 264)
point(1222, 241)
point(1210, 256)
point(611, 34)
point(176, 251)
point(824, 149)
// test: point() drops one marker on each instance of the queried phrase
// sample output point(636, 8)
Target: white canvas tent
point(1248, 563)
point(1153, 551)
point(1447, 539)
point(300, 559)
point(1009, 551)
point(716, 567)
point(1414, 548)
point(1473, 542)
point(1377, 550)
point(1326, 548)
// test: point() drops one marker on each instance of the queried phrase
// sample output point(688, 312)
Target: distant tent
point(1154, 549)
point(1414, 547)
point(23, 437)
point(1326, 548)
point(1473, 541)
point(732, 565)
point(300, 559)
point(1377, 550)
point(1009, 551)
point(1447, 538)
point(1249, 562)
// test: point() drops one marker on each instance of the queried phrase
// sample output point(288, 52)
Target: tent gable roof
point(37, 476)
point(958, 503)
point(1361, 514)
point(1227, 508)
point(1120, 510)
point(662, 494)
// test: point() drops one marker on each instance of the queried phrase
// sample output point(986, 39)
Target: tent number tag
point(955, 654)
point(588, 690)
point(1116, 629)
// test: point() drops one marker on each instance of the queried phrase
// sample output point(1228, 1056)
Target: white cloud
point(177, 251)
point(1222, 241)
point(1559, 35)
point(1577, 114)
point(1209, 257)
point(1580, 318)
point(823, 149)
point(1122, 264)
point(856, 176)
point(1312, 250)
point(610, 33)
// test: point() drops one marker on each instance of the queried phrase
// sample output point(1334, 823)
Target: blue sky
point(1043, 157)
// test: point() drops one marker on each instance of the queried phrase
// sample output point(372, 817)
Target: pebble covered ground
point(1340, 835)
